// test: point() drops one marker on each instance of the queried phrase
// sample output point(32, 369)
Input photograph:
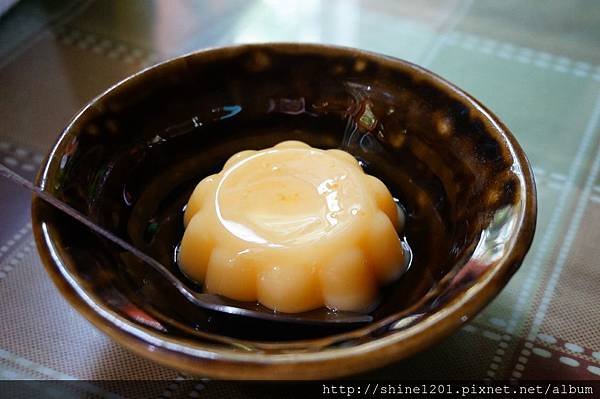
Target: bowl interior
point(131, 159)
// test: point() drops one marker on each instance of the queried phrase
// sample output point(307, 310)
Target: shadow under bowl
point(130, 159)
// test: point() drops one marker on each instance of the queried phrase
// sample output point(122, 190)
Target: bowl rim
point(182, 354)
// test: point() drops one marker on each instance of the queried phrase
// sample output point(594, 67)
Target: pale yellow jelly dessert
point(294, 228)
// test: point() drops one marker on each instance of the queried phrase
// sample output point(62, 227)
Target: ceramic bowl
point(131, 157)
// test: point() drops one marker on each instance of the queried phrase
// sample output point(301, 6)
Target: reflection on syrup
point(189, 152)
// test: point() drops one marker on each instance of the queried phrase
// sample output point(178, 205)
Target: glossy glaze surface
point(131, 159)
point(295, 228)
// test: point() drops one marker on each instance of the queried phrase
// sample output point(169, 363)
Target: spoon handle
point(52, 200)
point(206, 301)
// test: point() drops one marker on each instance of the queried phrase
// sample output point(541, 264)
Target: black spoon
point(207, 301)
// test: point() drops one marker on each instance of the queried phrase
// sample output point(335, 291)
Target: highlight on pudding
point(295, 228)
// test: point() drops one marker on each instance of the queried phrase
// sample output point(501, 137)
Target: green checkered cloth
point(534, 63)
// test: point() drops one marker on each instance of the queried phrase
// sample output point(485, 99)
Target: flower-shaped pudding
point(294, 228)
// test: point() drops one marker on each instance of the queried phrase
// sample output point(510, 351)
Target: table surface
point(534, 63)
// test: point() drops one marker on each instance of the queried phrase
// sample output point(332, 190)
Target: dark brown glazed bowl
point(131, 157)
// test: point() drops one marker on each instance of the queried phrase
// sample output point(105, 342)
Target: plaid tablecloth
point(534, 63)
